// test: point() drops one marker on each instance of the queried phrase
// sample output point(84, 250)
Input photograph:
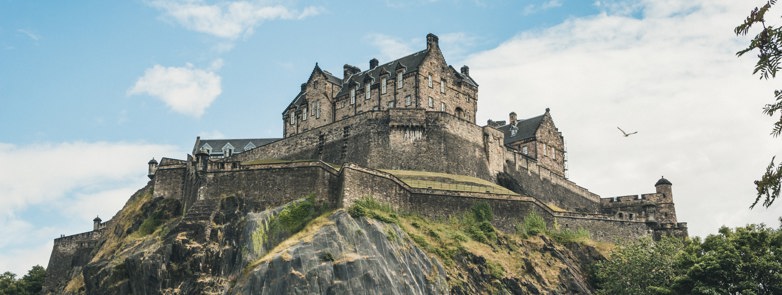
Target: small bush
point(566, 235)
point(326, 256)
point(150, 224)
point(532, 225)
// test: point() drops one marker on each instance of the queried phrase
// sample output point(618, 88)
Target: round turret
point(663, 181)
point(663, 186)
point(152, 168)
point(96, 223)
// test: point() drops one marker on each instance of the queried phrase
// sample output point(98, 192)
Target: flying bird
point(625, 133)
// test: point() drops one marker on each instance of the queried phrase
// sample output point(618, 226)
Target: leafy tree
point(32, 282)
point(639, 267)
point(768, 44)
point(745, 261)
point(29, 284)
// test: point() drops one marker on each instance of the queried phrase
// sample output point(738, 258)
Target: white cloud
point(187, 90)
point(546, 5)
point(228, 20)
point(52, 189)
point(390, 47)
point(672, 75)
point(30, 34)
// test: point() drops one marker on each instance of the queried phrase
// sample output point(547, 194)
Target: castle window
point(383, 86)
point(317, 109)
point(553, 153)
point(228, 150)
point(293, 118)
point(524, 150)
point(431, 102)
point(429, 80)
point(545, 150)
point(352, 96)
point(399, 81)
point(442, 85)
point(368, 91)
point(390, 104)
point(442, 107)
point(304, 114)
point(408, 101)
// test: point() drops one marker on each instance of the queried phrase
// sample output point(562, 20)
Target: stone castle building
point(404, 133)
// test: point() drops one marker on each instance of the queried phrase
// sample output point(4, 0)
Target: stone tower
point(666, 212)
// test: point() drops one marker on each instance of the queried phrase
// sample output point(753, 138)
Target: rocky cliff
point(230, 246)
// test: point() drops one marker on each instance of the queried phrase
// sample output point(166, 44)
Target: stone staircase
point(198, 219)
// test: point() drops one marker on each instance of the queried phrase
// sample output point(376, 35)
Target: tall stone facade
point(421, 80)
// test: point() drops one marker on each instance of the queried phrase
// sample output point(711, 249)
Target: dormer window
point(292, 117)
point(249, 146)
point(317, 109)
point(207, 148)
point(383, 86)
point(524, 150)
point(442, 86)
point(367, 91)
point(353, 96)
point(513, 130)
point(399, 80)
point(304, 114)
point(429, 80)
point(228, 150)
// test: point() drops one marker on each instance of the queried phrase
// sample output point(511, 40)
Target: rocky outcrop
point(347, 256)
point(295, 249)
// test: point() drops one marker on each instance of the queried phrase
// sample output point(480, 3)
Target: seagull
point(625, 133)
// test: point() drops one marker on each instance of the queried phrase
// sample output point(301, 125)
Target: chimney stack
point(303, 86)
point(373, 63)
point(512, 119)
point(466, 70)
point(432, 41)
point(349, 70)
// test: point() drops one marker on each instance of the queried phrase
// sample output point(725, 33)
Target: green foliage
point(373, 209)
point(533, 225)
point(768, 43)
point(291, 220)
point(639, 267)
point(150, 224)
point(31, 283)
point(495, 270)
point(747, 260)
point(477, 224)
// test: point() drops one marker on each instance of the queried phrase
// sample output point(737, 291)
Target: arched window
point(459, 112)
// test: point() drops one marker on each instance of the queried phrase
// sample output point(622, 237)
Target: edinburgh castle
point(404, 133)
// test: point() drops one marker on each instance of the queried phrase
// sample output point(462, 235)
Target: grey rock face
point(347, 256)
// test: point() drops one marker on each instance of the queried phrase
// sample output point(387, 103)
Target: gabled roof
point(525, 129)
point(410, 63)
point(463, 78)
point(301, 97)
point(238, 144)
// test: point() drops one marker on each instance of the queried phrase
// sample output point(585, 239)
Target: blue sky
point(91, 90)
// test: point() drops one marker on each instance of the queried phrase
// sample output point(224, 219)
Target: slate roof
point(410, 63)
point(238, 144)
point(663, 181)
point(526, 129)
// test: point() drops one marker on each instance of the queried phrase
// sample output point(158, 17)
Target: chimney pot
point(432, 41)
point(373, 63)
point(466, 70)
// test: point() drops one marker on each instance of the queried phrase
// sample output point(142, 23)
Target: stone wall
point(273, 185)
point(525, 176)
point(170, 179)
point(69, 255)
point(411, 139)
